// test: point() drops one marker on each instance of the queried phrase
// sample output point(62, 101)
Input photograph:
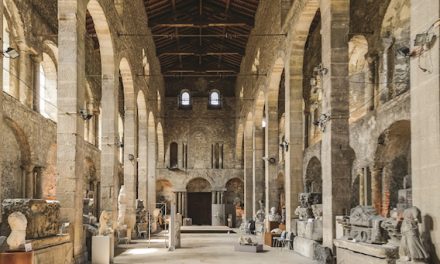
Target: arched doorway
point(313, 180)
point(392, 167)
point(234, 201)
point(199, 201)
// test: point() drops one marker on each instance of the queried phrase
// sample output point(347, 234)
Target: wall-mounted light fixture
point(10, 53)
point(322, 121)
point(271, 160)
point(85, 114)
point(131, 157)
point(284, 145)
point(320, 70)
point(119, 143)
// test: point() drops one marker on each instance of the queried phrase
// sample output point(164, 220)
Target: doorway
point(199, 208)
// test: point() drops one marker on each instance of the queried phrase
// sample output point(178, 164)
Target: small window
point(215, 99)
point(185, 99)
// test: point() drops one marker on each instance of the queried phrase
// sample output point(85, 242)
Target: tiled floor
point(202, 248)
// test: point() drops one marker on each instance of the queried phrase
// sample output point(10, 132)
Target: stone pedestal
point(306, 247)
point(310, 229)
point(102, 249)
point(218, 214)
point(351, 252)
point(249, 248)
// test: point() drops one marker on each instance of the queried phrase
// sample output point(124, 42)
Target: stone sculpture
point(411, 246)
point(18, 223)
point(105, 228)
point(122, 206)
point(366, 225)
point(43, 216)
point(274, 216)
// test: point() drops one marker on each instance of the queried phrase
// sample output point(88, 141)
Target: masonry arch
point(234, 201)
point(313, 176)
point(392, 165)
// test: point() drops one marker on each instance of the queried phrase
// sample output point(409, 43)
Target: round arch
point(48, 87)
point(127, 80)
point(198, 184)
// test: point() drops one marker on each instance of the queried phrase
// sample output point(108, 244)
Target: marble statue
point(411, 246)
point(273, 215)
point(260, 215)
point(122, 206)
point(18, 223)
point(105, 228)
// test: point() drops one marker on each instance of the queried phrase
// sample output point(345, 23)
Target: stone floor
point(202, 248)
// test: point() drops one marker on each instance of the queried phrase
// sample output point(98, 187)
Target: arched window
point(215, 99)
point(48, 88)
point(173, 155)
point(185, 99)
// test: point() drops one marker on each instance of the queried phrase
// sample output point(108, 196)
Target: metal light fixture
point(284, 145)
point(131, 157)
point(119, 143)
point(271, 160)
point(10, 53)
point(320, 70)
point(322, 121)
point(85, 114)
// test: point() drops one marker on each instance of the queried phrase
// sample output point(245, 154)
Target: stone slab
point(345, 256)
point(218, 214)
point(310, 229)
point(49, 241)
point(305, 247)
point(378, 251)
point(249, 248)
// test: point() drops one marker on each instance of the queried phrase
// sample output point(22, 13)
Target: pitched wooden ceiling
point(200, 37)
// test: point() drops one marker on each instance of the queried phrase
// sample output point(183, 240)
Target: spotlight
point(85, 114)
point(10, 53)
point(404, 51)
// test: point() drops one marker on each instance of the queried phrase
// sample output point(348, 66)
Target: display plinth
point(16, 258)
point(357, 252)
point(249, 248)
point(102, 249)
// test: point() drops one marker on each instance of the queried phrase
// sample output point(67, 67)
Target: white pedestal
point(102, 249)
point(218, 214)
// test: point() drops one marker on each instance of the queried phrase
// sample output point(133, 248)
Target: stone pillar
point(36, 61)
point(371, 77)
point(258, 168)
point(70, 127)
point(425, 124)
point(294, 127)
point(385, 79)
point(142, 162)
point(151, 184)
point(271, 151)
point(335, 153)
point(218, 208)
point(376, 188)
point(386, 180)
point(1, 106)
point(25, 75)
point(130, 165)
point(361, 176)
point(248, 177)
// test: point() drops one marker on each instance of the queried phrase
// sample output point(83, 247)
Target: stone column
point(425, 123)
point(294, 127)
point(151, 182)
point(336, 151)
point(130, 165)
point(371, 77)
point(142, 162)
point(385, 80)
point(258, 168)
point(36, 61)
point(361, 176)
point(25, 75)
point(271, 151)
point(248, 178)
point(1, 106)
point(376, 188)
point(70, 127)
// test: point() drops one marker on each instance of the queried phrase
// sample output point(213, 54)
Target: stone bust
point(18, 223)
point(273, 215)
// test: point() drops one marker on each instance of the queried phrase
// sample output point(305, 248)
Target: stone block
point(347, 256)
point(101, 249)
point(384, 252)
point(59, 253)
point(310, 229)
point(218, 214)
point(42, 216)
point(249, 248)
point(305, 247)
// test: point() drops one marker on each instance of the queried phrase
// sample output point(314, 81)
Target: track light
point(85, 114)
